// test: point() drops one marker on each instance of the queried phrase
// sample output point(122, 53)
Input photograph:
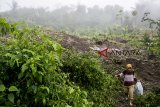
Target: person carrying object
point(129, 81)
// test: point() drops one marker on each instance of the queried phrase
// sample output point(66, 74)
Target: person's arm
point(120, 75)
point(135, 79)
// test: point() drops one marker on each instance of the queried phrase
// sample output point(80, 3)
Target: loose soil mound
point(148, 71)
point(75, 43)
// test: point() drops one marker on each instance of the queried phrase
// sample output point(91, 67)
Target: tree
point(120, 16)
point(154, 24)
point(14, 5)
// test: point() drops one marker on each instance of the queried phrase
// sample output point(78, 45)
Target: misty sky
point(51, 4)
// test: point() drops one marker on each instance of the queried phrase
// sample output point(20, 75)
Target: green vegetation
point(86, 71)
point(5, 27)
point(152, 42)
point(32, 72)
point(150, 99)
point(35, 70)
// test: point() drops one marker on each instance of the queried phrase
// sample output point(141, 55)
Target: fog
point(52, 4)
point(80, 13)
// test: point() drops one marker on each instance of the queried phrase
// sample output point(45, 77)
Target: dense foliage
point(150, 99)
point(30, 74)
point(5, 27)
point(85, 70)
point(37, 71)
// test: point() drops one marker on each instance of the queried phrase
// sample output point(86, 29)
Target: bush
point(85, 70)
point(5, 27)
point(30, 74)
point(150, 99)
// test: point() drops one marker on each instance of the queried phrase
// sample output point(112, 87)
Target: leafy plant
point(150, 99)
point(85, 70)
point(5, 27)
point(30, 74)
point(154, 24)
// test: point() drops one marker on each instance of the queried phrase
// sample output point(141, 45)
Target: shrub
point(30, 74)
point(85, 70)
point(150, 99)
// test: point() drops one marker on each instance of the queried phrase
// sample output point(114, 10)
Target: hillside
point(147, 70)
point(44, 68)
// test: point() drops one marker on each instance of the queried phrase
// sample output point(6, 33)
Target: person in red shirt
point(129, 81)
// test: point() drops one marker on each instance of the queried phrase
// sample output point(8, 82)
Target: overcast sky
point(51, 4)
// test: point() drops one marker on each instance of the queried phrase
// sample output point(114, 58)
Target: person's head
point(129, 66)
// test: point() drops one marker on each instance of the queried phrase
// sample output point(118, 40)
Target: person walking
point(129, 80)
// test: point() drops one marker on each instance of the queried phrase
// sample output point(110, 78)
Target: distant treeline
point(82, 16)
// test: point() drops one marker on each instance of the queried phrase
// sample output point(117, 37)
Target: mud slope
point(148, 71)
point(75, 43)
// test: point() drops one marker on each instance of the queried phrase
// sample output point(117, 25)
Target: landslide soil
point(148, 71)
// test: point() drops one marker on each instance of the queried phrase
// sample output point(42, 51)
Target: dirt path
point(148, 71)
